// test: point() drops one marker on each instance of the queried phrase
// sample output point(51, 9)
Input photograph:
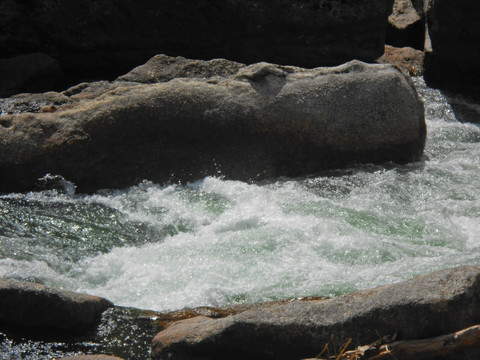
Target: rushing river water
point(217, 242)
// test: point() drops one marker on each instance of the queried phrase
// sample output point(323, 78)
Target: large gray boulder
point(27, 304)
point(242, 122)
point(424, 307)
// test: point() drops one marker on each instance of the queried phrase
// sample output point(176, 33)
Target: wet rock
point(45, 102)
point(263, 122)
point(27, 304)
point(407, 58)
point(29, 73)
point(406, 27)
point(424, 307)
point(101, 39)
point(455, 39)
point(465, 107)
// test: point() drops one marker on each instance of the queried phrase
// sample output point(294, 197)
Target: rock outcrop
point(103, 38)
point(26, 304)
point(455, 38)
point(424, 307)
point(262, 121)
point(406, 26)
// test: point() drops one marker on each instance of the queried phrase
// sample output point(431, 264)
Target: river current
point(216, 242)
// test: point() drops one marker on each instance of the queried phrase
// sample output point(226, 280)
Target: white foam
point(218, 242)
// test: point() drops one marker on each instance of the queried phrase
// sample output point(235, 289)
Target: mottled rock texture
point(424, 307)
point(27, 304)
point(263, 121)
point(406, 58)
point(99, 39)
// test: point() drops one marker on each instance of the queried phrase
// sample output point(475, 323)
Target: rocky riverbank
point(178, 119)
point(421, 308)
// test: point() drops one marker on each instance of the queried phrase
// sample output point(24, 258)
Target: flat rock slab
point(242, 122)
point(31, 304)
point(424, 307)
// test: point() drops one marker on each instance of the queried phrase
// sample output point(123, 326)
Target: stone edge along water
point(424, 307)
point(28, 304)
point(428, 306)
point(212, 118)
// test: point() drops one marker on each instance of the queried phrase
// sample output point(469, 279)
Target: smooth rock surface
point(424, 307)
point(262, 122)
point(100, 39)
point(31, 304)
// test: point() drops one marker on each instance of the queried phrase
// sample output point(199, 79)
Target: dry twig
point(410, 349)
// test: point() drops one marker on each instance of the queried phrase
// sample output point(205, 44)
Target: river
point(216, 242)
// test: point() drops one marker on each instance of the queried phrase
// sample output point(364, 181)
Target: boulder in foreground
point(243, 122)
point(27, 304)
point(424, 307)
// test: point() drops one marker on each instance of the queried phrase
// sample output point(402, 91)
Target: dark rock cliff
point(100, 39)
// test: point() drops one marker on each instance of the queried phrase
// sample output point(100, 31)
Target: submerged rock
point(424, 307)
point(262, 121)
point(27, 304)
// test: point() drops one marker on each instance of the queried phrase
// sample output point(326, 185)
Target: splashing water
point(217, 242)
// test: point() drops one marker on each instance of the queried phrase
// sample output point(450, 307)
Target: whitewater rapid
point(216, 242)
